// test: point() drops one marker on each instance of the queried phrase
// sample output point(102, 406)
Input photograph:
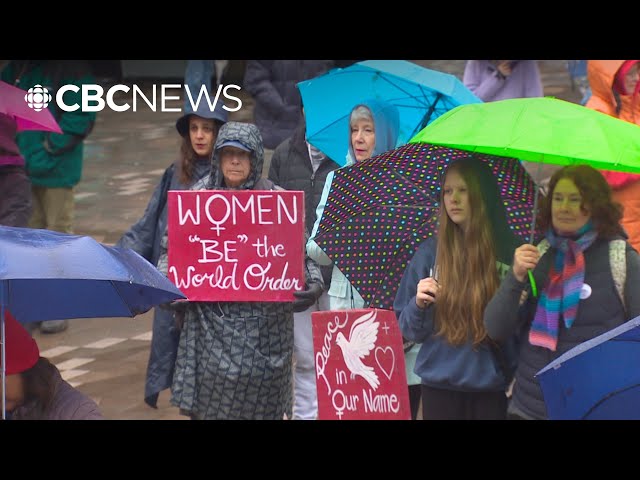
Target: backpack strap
point(618, 264)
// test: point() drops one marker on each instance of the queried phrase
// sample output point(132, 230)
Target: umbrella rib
point(607, 397)
point(411, 182)
point(427, 116)
point(121, 299)
point(384, 76)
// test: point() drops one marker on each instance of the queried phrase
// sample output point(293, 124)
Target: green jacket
point(54, 160)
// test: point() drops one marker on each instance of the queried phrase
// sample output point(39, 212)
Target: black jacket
point(291, 169)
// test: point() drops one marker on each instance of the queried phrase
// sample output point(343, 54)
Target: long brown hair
point(188, 156)
point(466, 263)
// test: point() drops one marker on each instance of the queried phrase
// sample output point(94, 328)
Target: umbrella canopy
point(46, 275)
point(419, 94)
point(379, 211)
point(71, 276)
point(598, 379)
point(15, 102)
point(543, 130)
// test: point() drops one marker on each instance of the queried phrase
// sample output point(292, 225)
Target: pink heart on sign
point(386, 360)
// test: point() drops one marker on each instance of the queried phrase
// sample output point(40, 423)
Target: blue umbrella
point(420, 94)
point(46, 275)
point(596, 380)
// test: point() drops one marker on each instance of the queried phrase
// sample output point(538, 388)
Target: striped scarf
point(562, 294)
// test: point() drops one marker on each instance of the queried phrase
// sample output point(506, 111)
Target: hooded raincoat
point(235, 358)
point(626, 186)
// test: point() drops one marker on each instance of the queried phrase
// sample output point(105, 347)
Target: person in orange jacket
point(614, 85)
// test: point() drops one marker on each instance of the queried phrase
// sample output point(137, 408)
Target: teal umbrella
point(544, 130)
point(419, 94)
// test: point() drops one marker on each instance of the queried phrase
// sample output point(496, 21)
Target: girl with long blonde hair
point(443, 294)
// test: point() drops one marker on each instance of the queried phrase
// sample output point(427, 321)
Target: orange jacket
point(601, 74)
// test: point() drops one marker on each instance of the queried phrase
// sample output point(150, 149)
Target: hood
point(247, 134)
point(386, 121)
point(600, 74)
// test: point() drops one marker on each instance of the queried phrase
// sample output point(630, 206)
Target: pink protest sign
point(360, 369)
point(236, 245)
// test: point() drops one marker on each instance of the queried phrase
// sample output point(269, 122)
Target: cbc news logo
point(38, 98)
point(91, 97)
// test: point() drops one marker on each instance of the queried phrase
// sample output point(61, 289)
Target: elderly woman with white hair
point(373, 129)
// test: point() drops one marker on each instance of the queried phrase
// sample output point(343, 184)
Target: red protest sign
point(360, 369)
point(232, 245)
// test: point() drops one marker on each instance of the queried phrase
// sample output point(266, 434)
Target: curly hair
point(596, 200)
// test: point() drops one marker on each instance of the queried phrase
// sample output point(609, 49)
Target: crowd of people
point(463, 297)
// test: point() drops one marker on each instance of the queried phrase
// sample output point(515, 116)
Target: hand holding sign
point(306, 298)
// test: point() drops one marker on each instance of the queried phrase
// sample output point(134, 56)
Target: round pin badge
point(585, 291)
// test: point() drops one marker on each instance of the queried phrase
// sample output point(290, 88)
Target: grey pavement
point(125, 157)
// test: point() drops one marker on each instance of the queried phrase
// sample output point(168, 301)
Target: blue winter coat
point(465, 367)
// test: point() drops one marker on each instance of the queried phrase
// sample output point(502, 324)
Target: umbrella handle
point(534, 288)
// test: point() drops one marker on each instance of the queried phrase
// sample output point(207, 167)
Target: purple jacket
point(68, 404)
point(483, 79)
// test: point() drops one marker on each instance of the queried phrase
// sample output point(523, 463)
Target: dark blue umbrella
point(596, 380)
point(46, 275)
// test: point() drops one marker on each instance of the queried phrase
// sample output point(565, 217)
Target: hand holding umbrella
point(427, 292)
point(543, 130)
point(525, 259)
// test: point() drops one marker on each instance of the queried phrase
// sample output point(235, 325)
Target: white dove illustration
point(362, 339)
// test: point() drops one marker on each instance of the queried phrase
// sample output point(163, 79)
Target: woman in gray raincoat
point(235, 358)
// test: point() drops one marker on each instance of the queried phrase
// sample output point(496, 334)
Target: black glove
point(306, 298)
point(175, 306)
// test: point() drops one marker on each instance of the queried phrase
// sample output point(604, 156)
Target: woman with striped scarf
point(578, 299)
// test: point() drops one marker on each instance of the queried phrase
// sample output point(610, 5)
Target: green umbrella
point(544, 130)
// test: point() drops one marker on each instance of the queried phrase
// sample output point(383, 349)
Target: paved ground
point(125, 157)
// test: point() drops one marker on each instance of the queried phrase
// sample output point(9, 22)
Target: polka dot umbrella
point(379, 211)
